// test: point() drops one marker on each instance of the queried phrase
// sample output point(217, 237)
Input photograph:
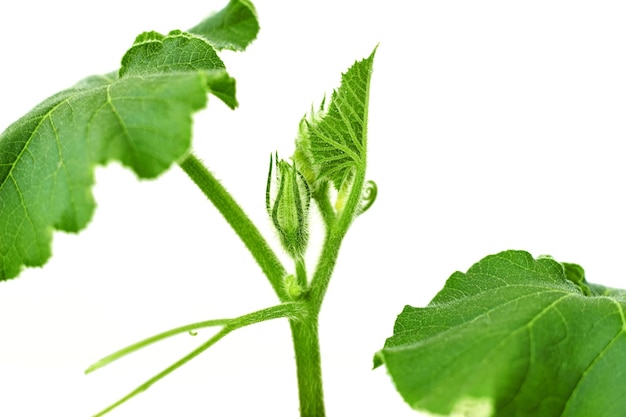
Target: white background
point(493, 126)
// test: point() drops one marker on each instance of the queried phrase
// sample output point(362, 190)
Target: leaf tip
point(378, 359)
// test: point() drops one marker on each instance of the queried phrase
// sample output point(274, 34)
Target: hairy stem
point(323, 203)
point(308, 365)
point(294, 311)
point(141, 388)
point(153, 339)
point(305, 332)
point(305, 329)
point(334, 237)
point(301, 277)
point(239, 221)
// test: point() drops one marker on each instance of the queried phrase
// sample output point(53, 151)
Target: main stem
point(304, 330)
point(306, 346)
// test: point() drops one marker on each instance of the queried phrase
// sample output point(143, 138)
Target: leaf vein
point(334, 143)
point(598, 357)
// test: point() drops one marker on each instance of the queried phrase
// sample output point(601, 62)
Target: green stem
point(323, 203)
point(153, 339)
point(294, 311)
point(334, 237)
point(308, 364)
point(301, 277)
point(141, 388)
point(305, 329)
point(239, 221)
point(305, 332)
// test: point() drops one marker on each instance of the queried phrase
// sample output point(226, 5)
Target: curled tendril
point(370, 191)
point(193, 333)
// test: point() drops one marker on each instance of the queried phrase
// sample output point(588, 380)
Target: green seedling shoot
point(513, 336)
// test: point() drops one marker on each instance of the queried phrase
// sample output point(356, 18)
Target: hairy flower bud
point(287, 201)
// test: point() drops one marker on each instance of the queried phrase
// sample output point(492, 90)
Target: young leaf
point(140, 116)
point(513, 336)
point(234, 27)
point(332, 142)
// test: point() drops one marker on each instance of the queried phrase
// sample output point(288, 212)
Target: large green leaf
point(333, 140)
point(140, 116)
point(513, 336)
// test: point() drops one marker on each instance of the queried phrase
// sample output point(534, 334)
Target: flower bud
point(294, 290)
point(287, 201)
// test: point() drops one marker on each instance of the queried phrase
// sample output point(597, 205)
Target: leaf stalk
point(240, 222)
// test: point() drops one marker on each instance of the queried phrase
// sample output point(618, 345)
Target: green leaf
point(332, 141)
point(513, 336)
point(140, 117)
point(234, 27)
point(154, 53)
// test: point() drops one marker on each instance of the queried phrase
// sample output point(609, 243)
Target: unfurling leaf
point(140, 116)
point(332, 141)
point(513, 336)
